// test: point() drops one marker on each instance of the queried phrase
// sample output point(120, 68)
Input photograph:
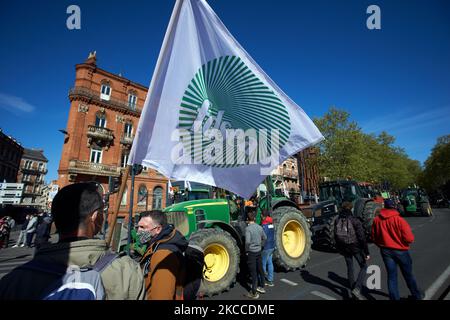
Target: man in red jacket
point(393, 235)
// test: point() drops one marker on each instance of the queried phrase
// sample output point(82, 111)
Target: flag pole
point(117, 206)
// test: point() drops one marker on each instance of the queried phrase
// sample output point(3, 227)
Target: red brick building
point(304, 182)
point(104, 114)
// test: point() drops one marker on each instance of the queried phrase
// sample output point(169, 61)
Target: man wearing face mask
point(78, 214)
point(162, 261)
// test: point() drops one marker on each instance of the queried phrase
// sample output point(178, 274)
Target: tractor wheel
point(328, 233)
point(222, 256)
point(371, 210)
point(292, 238)
point(426, 209)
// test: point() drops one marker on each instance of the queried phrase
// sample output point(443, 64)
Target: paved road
point(13, 257)
point(325, 275)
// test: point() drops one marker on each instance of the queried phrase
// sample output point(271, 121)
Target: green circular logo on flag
point(227, 96)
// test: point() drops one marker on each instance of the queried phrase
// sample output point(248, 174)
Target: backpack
point(192, 264)
point(75, 283)
point(345, 231)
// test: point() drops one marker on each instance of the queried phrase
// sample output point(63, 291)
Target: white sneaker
point(261, 290)
point(15, 246)
point(22, 245)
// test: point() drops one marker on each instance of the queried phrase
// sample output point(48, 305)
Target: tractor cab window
point(262, 191)
point(336, 194)
point(197, 195)
point(349, 192)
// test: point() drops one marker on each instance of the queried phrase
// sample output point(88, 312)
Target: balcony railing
point(103, 137)
point(100, 133)
point(95, 96)
point(127, 139)
point(31, 193)
point(90, 168)
point(34, 170)
point(289, 173)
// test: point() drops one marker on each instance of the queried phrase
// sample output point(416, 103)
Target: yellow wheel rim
point(217, 262)
point(293, 239)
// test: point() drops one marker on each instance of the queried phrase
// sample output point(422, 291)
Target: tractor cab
point(197, 191)
point(340, 191)
point(415, 200)
point(332, 195)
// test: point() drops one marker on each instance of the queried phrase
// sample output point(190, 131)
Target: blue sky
point(319, 52)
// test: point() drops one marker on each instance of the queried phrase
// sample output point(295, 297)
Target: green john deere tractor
point(217, 226)
point(333, 194)
point(415, 201)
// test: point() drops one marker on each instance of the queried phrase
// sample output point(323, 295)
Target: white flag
point(187, 185)
point(171, 193)
point(212, 115)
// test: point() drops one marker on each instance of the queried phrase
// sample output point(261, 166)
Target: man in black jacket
point(43, 230)
point(351, 243)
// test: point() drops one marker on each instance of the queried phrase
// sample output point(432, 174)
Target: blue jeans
point(267, 263)
point(393, 258)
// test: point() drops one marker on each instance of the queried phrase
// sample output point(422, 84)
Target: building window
point(96, 155)
point(128, 129)
point(132, 100)
point(105, 92)
point(100, 120)
point(124, 197)
point(124, 161)
point(142, 196)
point(157, 198)
point(28, 164)
point(41, 166)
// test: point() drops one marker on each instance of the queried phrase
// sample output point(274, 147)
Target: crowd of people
point(35, 230)
point(161, 273)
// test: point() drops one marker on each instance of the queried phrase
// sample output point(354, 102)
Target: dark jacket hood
point(170, 236)
point(345, 213)
point(388, 213)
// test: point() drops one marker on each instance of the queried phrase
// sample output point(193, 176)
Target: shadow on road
point(17, 257)
point(367, 293)
point(339, 290)
point(318, 246)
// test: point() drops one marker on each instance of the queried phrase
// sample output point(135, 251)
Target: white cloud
point(13, 103)
point(404, 121)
